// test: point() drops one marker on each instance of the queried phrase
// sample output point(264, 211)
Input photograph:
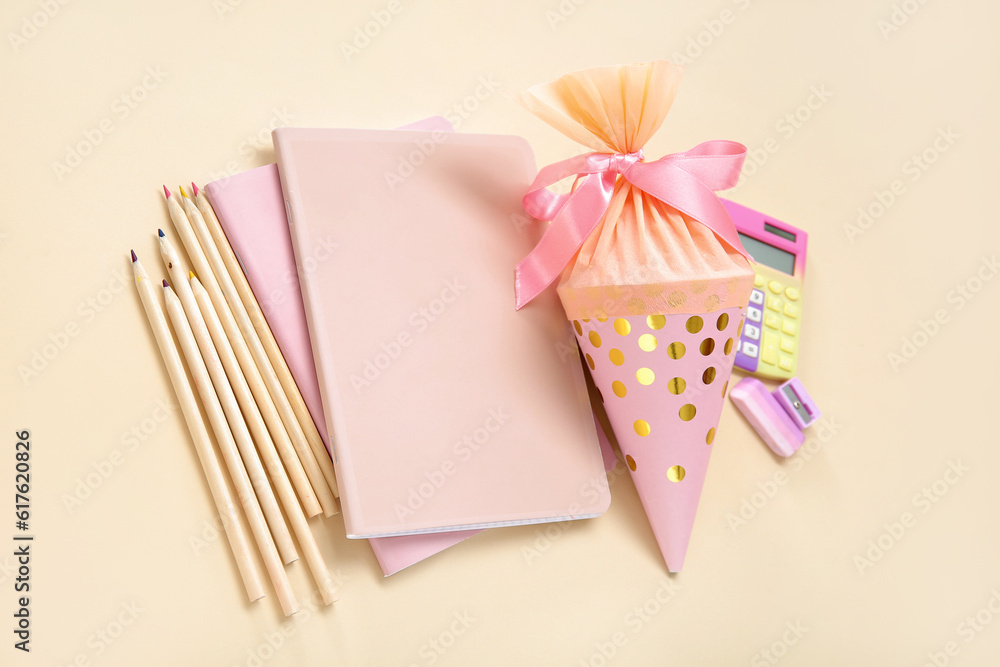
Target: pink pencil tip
point(166, 192)
point(194, 188)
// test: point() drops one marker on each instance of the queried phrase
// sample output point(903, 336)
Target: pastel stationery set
point(408, 297)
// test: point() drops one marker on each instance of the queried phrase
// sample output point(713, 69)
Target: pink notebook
point(447, 409)
point(252, 212)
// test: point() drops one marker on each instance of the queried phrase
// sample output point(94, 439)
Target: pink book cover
point(252, 213)
point(446, 409)
point(251, 209)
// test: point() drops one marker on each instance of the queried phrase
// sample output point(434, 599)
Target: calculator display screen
point(776, 258)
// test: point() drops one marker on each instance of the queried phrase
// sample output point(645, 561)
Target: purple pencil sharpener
point(778, 416)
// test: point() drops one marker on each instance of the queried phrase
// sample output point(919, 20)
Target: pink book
point(446, 409)
point(252, 212)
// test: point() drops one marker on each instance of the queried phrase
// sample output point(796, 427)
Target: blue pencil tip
point(160, 231)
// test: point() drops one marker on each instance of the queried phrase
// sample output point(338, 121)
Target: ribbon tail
point(543, 204)
point(583, 209)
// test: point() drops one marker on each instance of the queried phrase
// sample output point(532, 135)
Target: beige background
point(890, 432)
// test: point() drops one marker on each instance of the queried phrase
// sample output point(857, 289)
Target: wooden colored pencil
point(258, 410)
point(224, 437)
point(227, 292)
point(224, 503)
point(242, 334)
point(286, 493)
point(263, 329)
point(224, 395)
point(271, 400)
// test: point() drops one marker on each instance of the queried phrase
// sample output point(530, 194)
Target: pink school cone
point(663, 379)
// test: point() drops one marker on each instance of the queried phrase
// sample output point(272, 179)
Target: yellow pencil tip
point(183, 194)
point(190, 274)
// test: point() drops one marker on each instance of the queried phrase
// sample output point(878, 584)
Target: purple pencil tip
point(166, 192)
point(165, 283)
point(160, 232)
point(134, 258)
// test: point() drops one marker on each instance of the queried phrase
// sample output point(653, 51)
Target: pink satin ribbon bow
point(685, 181)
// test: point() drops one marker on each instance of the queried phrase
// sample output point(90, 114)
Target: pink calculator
point(769, 340)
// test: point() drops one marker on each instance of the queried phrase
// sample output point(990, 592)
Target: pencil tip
point(190, 274)
point(134, 258)
point(160, 232)
point(194, 189)
point(183, 194)
point(166, 192)
point(165, 283)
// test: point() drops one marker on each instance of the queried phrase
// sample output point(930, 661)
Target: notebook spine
point(316, 335)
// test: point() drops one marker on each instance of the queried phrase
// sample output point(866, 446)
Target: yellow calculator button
point(769, 350)
point(771, 320)
point(775, 287)
point(792, 294)
point(758, 281)
point(789, 327)
point(791, 310)
point(786, 363)
point(774, 303)
point(787, 345)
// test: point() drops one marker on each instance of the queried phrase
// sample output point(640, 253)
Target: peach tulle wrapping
point(644, 257)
